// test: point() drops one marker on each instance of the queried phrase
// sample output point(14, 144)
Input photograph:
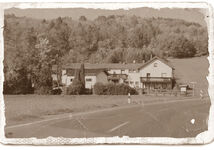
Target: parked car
point(56, 90)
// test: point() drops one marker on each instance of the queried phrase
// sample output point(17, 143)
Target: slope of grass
point(192, 70)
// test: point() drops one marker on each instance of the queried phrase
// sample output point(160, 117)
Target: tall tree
point(41, 67)
point(82, 74)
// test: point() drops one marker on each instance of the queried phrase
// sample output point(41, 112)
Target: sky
point(190, 15)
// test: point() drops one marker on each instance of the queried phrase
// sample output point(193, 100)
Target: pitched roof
point(88, 72)
point(104, 66)
point(108, 66)
point(165, 61)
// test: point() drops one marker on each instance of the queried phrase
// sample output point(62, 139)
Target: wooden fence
point(161, 92)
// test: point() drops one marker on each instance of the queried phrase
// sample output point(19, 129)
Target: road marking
point(80, 122)
point(119, 126)
point(95, 111)
point(152, 116)
point(36, 122)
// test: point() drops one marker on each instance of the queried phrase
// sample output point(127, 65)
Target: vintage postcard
point(106, 73)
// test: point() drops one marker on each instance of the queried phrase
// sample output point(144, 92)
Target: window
point(130, 70)
point(155, 64)
point(155, 86)
point(114, 74)
point(164, 85)
point(71, 80)
point(88, 80)
point(137, 84)
point(148, 75)
point(131, 82)
point(163, 74)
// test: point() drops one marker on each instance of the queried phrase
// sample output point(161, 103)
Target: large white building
point(156, 73)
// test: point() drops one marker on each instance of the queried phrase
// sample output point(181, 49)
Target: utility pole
point(193, 88)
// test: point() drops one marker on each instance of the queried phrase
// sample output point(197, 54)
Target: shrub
point(43, 90)
point(100, 89)
point(76, 88)
point(88, 91)
point(113, 89)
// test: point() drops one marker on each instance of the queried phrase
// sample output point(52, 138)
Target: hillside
point(192, 70)
point(192, 15)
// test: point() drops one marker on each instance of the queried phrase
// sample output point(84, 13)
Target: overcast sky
point(191, 15)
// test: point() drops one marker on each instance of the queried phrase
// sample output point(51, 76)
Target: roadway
point(169, 119)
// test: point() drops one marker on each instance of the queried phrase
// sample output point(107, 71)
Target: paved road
point(176, 119)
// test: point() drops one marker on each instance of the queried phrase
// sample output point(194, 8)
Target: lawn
point(192, 70)
point(27, 108)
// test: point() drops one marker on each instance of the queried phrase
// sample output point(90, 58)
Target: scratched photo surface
point(85, 73)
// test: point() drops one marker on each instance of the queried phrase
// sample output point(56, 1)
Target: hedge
point(113, 89)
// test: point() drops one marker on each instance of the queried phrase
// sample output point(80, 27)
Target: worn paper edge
point(202, 138)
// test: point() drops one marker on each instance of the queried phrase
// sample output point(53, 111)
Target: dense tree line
point(32, 46)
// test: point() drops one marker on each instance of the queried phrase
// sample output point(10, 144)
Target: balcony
point(155, 79)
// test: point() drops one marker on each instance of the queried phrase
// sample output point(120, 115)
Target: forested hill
point(33, 45)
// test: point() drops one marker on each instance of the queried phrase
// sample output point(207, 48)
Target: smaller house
point(92, 75)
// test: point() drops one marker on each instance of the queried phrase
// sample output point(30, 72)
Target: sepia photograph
point(96, 73)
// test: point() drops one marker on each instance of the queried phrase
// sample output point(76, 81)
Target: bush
point(88, 91)
point(113, 89)
point(76, 88)
point(43, 90)
point(100, 89)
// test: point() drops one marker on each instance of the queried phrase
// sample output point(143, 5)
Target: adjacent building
point(156, 73)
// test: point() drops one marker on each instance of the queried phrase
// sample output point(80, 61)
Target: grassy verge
point(26, 108)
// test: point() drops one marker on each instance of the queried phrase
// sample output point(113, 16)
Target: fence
point(161, 92)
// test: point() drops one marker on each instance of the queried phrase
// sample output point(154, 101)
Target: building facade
point(157, 73)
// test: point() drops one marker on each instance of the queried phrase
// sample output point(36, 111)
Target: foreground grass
point(26, 108)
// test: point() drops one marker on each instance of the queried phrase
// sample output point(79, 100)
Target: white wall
point(68, 80)
point(133, 78)
point(64, 77)
point(54, 77)
point(118, 71)
point(90, 84)
point(156, 71)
